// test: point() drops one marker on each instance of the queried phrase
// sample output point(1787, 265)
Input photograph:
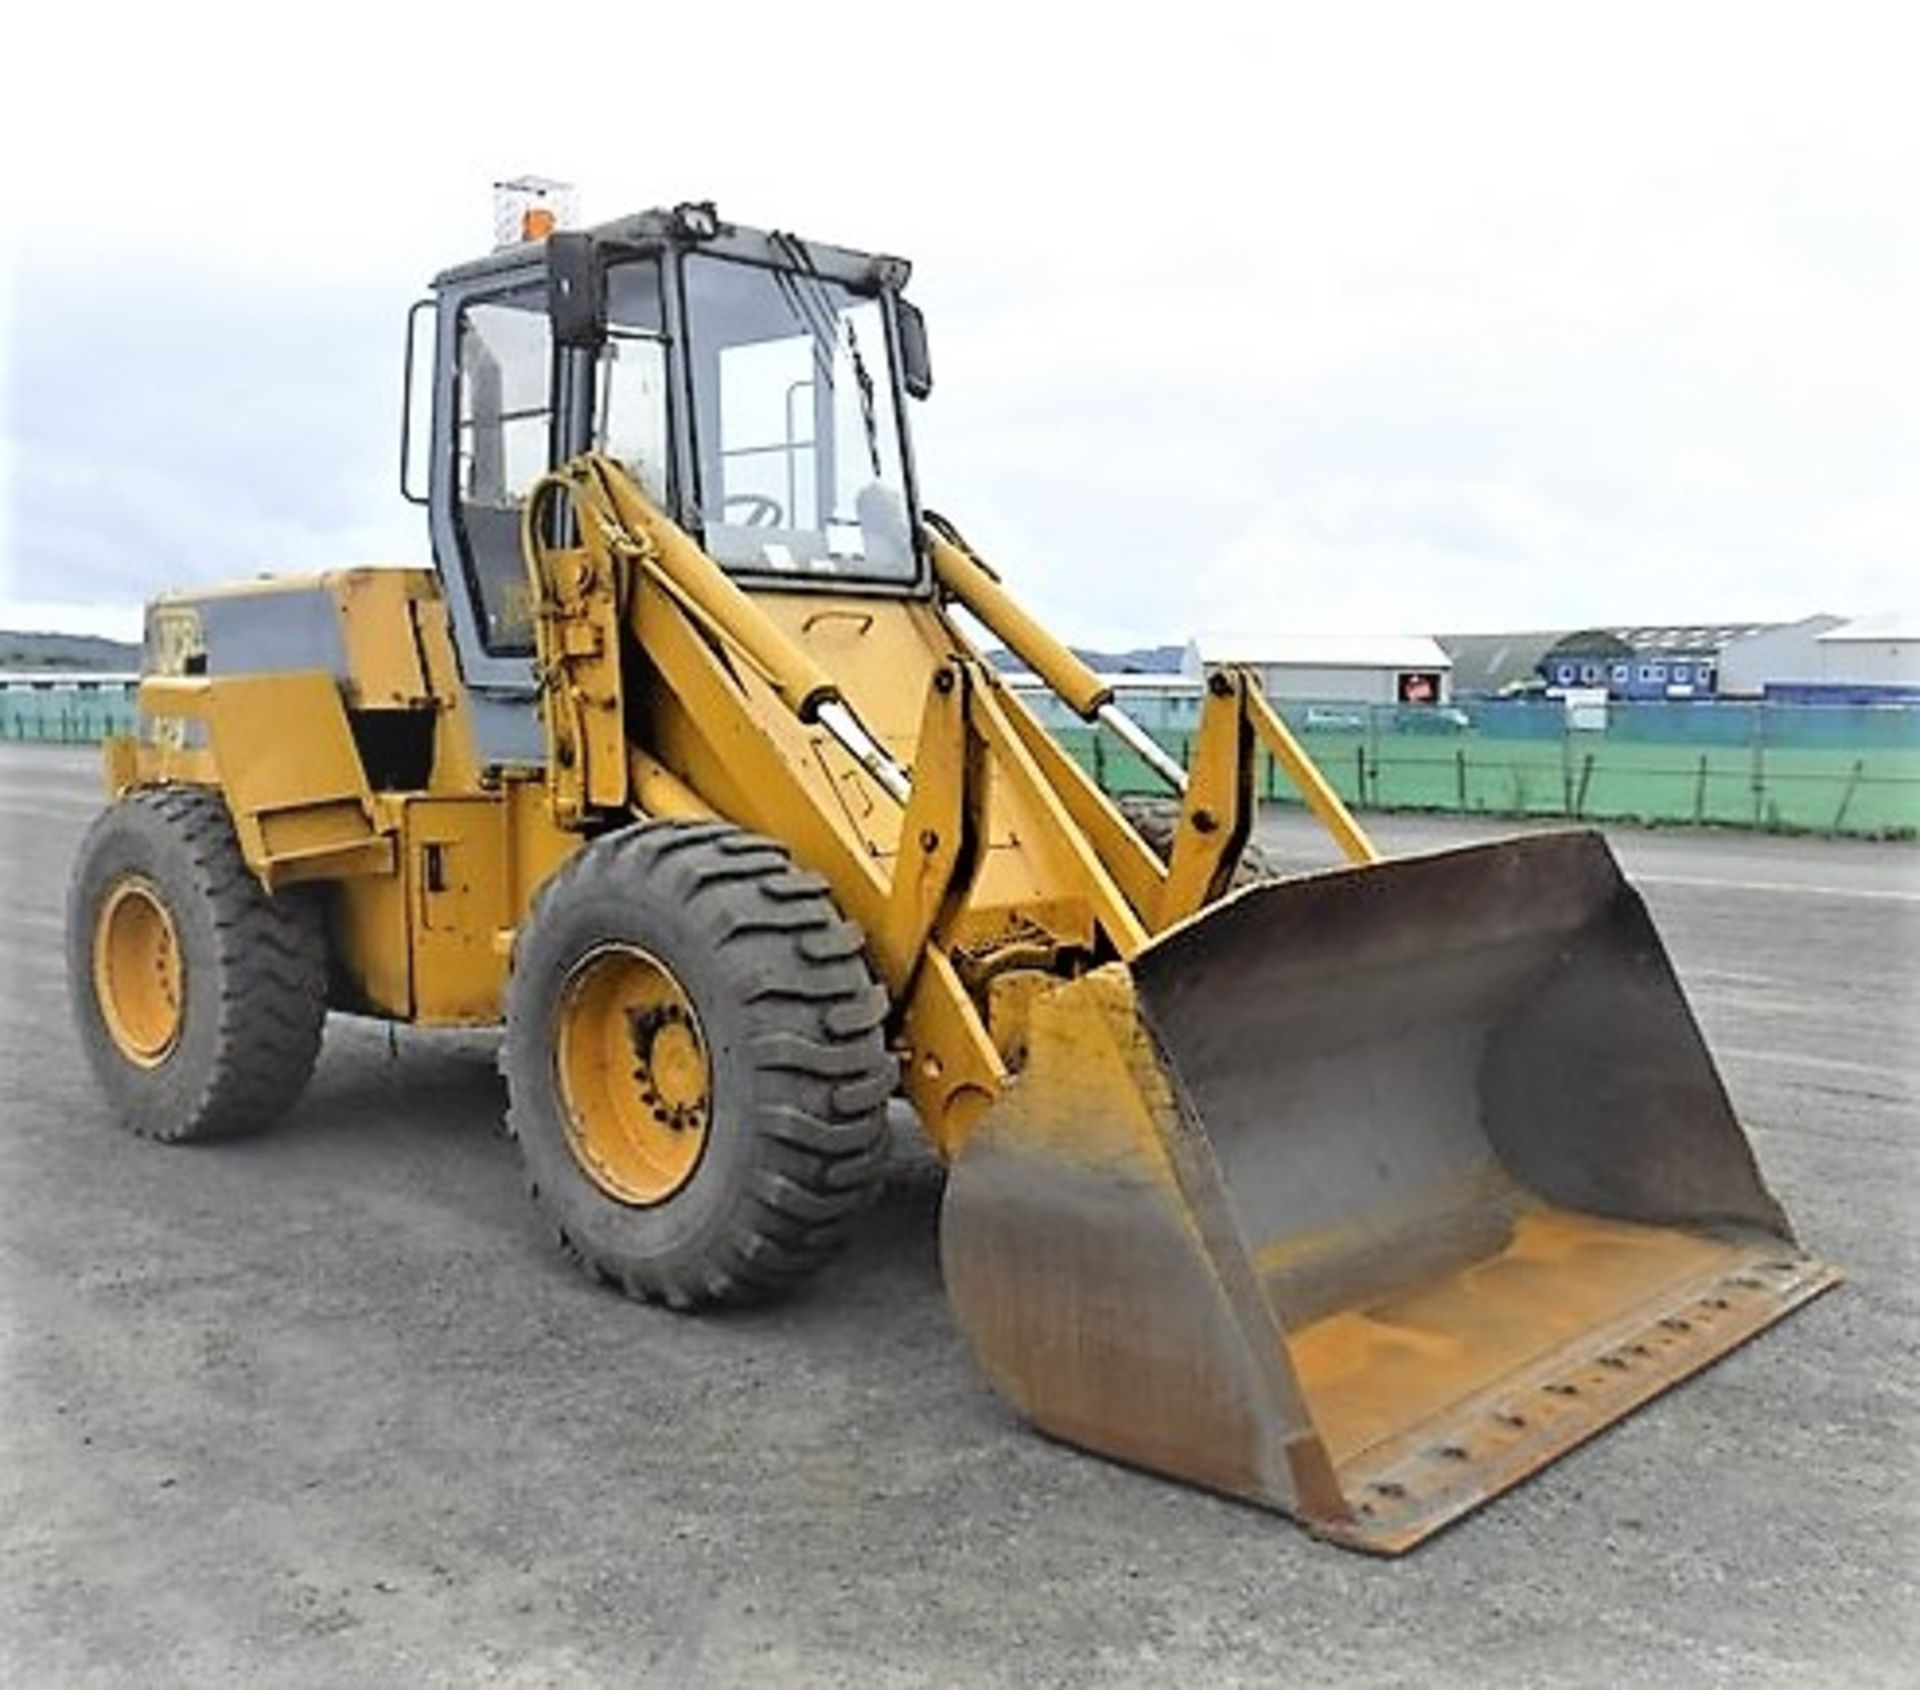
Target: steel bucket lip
point(1414, 1485)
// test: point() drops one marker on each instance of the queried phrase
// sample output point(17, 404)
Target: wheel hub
point(635, 1076)
point(670, 1064)
point(138, 977)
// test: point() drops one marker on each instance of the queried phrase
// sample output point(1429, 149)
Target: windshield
point(795, 423)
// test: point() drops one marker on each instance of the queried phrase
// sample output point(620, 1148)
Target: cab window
point(505, 433)
point(630, 389)
point(505, 422)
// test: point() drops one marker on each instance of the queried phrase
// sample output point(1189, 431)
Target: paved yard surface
point(321, 1407)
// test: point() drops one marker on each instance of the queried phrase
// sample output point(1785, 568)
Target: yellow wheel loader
point(1358, 1195)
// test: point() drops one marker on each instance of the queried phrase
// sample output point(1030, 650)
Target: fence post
point(1360, 774)
point(1846, 797)
point(1099, 761)
point(1460, 780)
point(1700, 793)
point(1580, 797)
point(1758, 776)
point(1376, 714)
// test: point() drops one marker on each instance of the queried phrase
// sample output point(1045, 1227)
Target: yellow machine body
point(1358, 1195)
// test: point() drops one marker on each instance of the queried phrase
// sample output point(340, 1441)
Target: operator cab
point(752, 382)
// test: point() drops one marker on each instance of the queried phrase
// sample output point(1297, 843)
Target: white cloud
point(1374, 315)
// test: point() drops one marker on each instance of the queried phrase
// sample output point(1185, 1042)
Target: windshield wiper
point(816, 309)
point(865, 382)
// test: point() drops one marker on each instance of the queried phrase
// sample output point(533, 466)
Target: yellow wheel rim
point(636, 1084)
point(137, 973)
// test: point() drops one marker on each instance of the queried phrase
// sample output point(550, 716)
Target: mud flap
point(1363, 1195)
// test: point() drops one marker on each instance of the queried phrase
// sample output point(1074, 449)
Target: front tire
point(696, 1066)
point(198, 997)
point(1157, 821)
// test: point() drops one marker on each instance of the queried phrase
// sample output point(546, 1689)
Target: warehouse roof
point(1121, 680)
point(1884, 625)
point(1321, 651)
point(1689, 638)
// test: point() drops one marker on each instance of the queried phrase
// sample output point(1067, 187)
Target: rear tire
point(198, 997)
point(659, 954)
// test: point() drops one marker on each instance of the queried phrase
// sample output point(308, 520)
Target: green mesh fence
point(1839, 769)
point(1785, 768)
point(62, 715)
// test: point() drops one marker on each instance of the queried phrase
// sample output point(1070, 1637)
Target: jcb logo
point(175, 644)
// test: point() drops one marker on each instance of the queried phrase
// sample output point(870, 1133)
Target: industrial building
point(1874, 654)
point(1667, 661)
point(1385, 669)
point(1779, 651)
point(1818, 659)
point(1824, 660)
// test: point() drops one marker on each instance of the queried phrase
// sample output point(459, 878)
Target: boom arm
point(737, 727)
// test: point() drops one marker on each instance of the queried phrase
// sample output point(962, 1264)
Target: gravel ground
point(323, 1408)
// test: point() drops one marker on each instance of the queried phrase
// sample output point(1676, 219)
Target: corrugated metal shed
point(1317, 651)
point(1786, 652)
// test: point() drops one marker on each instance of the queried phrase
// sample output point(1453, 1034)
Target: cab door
point(509, 406)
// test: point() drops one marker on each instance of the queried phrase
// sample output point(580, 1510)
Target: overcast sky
point(1328, 316)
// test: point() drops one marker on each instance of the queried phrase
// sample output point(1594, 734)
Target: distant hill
point(20, 650)
point(1142, 660)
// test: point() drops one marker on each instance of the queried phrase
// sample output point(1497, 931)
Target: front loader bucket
point(1363, 1195)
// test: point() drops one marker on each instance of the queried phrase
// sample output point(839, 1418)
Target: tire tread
point(268, 965)
point(821, 1072)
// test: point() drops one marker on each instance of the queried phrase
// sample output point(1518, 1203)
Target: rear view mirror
point(576, 289)
point(916, 367)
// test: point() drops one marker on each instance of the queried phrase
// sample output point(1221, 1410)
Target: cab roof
point(685, 227)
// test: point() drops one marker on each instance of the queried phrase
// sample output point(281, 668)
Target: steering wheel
point(762, 512)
